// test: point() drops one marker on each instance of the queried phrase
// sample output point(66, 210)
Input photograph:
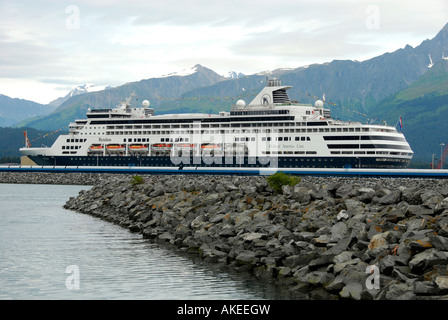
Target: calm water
point(47, 252)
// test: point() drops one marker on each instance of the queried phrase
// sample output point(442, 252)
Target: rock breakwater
point(68, 178)
point(325, 238)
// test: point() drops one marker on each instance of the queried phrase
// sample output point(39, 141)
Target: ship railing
point(100, 110)
point(345, 123)
point(294, 104)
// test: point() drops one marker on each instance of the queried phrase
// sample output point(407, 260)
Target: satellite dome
point(240, 104)
point(145, 103)
point(319, 104)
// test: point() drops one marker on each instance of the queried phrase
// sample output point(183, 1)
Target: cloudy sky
point(48, 47)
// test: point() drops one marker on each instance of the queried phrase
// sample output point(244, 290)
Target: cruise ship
point(270, 131)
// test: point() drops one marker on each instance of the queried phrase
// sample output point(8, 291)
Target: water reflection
point(39, 240)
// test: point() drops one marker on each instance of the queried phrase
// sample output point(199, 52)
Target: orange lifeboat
point(162, 145)
point(96, 148)
point(138, 147)
point(184, 145)
point(115, 148)
point(210, 146)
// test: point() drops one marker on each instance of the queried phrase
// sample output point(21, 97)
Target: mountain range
point(400, 83)
point(423, 107)
point(82, 89)
point(14, 110)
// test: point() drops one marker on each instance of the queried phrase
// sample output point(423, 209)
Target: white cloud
point(122, 41)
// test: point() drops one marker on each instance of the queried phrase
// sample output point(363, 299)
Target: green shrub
point(137, 180)
point(279, 179)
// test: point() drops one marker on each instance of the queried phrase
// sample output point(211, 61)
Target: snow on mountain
point(276, 71)
point(88, 87)
point(85, 88)
point(233, 75)
point(190, 71)
point(182, 73)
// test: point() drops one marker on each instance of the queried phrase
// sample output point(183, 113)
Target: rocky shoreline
point(69, 178)
point(325, 238)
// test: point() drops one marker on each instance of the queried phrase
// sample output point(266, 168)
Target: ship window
point(343, 146)
point(341, 137)
point(382, 138)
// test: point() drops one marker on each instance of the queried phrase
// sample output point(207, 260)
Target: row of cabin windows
point(75, 140)
point(371, 152)
point(286, 139)
point(199, 124)
point(221, 131)
point(228, 131)
point(289, 152)
point(174, 139)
